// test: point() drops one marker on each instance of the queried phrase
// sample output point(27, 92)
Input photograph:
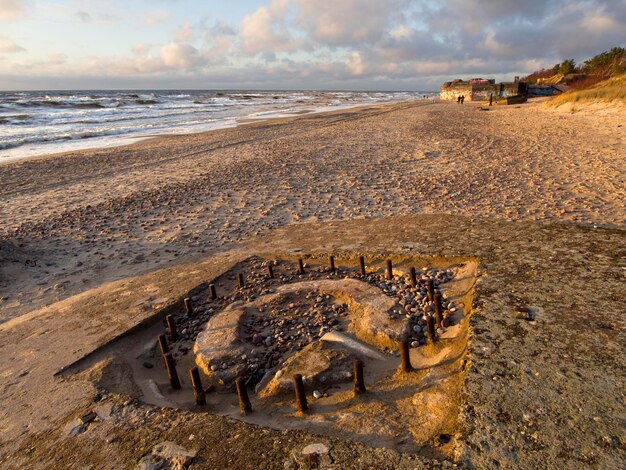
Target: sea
point(35, 123)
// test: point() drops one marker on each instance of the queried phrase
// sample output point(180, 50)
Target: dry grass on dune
point(608, 91)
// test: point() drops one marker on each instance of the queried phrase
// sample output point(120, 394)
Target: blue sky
point(270, 44)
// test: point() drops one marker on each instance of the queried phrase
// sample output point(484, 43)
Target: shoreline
point(116, 141)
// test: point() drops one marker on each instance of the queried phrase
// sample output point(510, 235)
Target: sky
point(294, 44)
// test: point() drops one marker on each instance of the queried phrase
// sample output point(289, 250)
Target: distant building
point(481, 89)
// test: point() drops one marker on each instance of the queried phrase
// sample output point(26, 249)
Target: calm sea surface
point(44, 122)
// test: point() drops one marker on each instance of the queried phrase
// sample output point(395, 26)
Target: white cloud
point(83, 16)
point(156, 17)
point(141, 49)
point(355, 65)
point(11, 9)
point(401, 33)
point(180, 56)
point(8, 45)
point(185, 33)
point(265, 30)
point(346, 22)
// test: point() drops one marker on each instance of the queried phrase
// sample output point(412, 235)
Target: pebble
point(317, 394)
point(148, 365)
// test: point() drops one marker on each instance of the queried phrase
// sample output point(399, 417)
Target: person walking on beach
point(462, 99)
point(458, 99)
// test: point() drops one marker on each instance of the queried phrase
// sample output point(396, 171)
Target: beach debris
point(172, 327)
point(167, 455)
point(242, 392)
point(171, 371)
point(188, 306)
point(298, 385)
point(196, 383)
point(282, 328)
point(359, 383)
point(405, 358)
point(212, 293)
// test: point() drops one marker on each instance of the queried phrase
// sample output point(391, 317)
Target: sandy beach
point(74, 221)
point(98, 246)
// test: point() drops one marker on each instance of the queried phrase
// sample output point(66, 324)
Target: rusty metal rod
point(430, 329)
point(172, 326)
point(300, 266)
point(359, 383)
point(431, 290)
point(362, 265)
point(438, 311)
point(163, 345)
point(240, 281)
point(332, 264)
point(301, 403)
point(270, 271)
point(404, 356)
point(242, 392)
point(198, 391)
point(413, 277)
point(212, 291)
point(389, 270)
point(171, 371)
point(188, 306)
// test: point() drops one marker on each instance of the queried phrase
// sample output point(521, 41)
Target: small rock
point(148, 365)
point(317, 394)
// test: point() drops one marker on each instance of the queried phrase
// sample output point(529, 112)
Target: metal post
point(362, 265)
point(332, 264)
point(171, 371)
point(240, 280)
point(431, 290)
point(438, 313)
point(242, 392)
point(198, 391)
point(212, 292)
point(389, 270)
point(163, 345)
point(404, 356)
point(359, 384)
point(430, 329)
point(413, 277)
point(172, 326)
point(270, 271)
point(300, 266)
point(188, 306)
point(301, 403)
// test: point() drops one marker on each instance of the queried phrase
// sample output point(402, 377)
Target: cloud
point(180, 56)
point(380, 44)
point(83, 16)
point(156, 17)
point(265, 30)
point(346, 22)
point(11, 10)
point(354, 64)
point(8, 46)
point(185, 33)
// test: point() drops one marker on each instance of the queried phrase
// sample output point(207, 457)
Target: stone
point(148, 365)
point(176, 455)
point(104, 411)
point(315, 455)
point(317, 394)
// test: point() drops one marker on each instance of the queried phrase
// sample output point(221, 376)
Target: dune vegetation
point(612, 90)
